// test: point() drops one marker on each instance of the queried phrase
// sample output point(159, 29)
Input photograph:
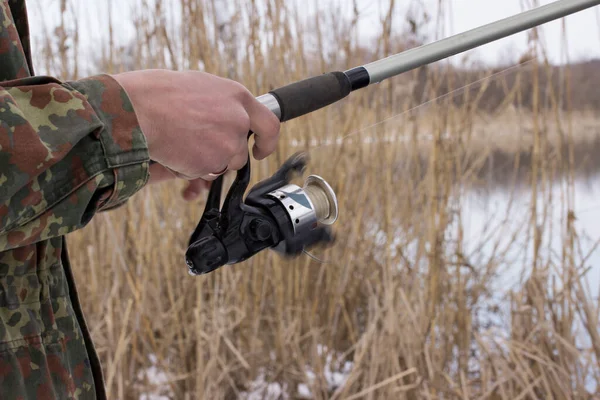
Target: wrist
point(134, 87)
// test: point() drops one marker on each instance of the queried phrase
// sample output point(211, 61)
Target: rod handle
point(308, 95)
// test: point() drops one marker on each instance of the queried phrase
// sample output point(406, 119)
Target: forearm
point(67, 151)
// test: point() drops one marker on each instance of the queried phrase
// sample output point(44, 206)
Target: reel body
point(275, 214)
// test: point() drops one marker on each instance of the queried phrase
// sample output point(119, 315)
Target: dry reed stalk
point(403, 290)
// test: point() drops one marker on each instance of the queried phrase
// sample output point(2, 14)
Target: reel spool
point(276, 214)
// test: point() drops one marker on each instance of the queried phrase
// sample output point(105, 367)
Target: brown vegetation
point(399, 299)
point(521, 88)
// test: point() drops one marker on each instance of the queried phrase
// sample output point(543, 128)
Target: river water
point(498, 217)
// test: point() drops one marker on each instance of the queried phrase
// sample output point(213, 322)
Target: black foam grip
point(311, 94)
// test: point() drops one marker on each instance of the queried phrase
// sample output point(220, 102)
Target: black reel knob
point(205, 255)
point(260, 230)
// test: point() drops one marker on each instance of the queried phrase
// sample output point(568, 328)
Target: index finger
point(265, 125)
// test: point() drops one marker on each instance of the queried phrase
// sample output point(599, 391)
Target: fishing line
point(454, 92)
point(278, 214)
point(451, 93)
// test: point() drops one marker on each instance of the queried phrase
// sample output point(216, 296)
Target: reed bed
point(405, 305)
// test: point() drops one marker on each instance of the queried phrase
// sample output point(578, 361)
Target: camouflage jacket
point(67, 151)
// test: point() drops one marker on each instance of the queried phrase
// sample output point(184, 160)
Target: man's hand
point(197, 123)
point(194, 188)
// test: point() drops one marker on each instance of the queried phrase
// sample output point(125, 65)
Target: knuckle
point(272, 127)
point(238, 120)
point(239, 162)
point(239, 90)
point(230, 147)
point(244, 121)
point(243, 91)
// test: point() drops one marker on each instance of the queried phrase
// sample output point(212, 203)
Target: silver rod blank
point(426, 54)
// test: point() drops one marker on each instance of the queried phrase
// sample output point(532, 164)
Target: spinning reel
point(290, 219)
point(275, 214)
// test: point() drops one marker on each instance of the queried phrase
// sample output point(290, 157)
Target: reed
point(407, 305)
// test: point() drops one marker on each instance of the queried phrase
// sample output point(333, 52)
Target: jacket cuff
point(124, 144)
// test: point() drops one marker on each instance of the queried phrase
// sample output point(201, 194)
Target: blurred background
point(466, 265)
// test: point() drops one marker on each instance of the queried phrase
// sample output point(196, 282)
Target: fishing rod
point(311, 94)
point(288, 218)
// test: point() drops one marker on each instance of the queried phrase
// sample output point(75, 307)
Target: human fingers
point(195, 188)
point(265, 125)
point(230, 145)
point(240, 158)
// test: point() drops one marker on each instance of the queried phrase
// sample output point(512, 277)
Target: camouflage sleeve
point(67, 151)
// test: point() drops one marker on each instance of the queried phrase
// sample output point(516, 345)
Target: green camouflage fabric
point(67, 151)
